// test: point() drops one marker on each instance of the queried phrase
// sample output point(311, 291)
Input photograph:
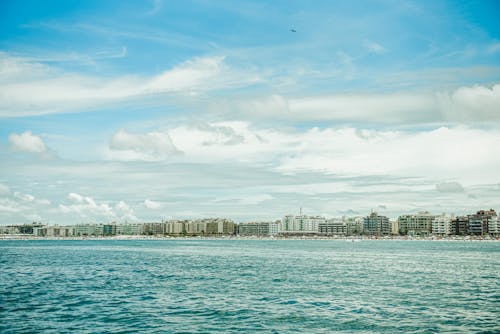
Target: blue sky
point(143, 110)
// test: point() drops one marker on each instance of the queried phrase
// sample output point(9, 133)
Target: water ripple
point(236, 286)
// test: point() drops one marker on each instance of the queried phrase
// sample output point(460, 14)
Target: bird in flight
point(293, 30)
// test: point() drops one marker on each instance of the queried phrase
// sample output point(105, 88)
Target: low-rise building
point(258, 228)
point(333, 226)
point(85, 230)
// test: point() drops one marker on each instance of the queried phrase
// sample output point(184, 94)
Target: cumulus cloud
point(27, 142)
point(152, 146)
point(124, 211)
point(86, 207)
point(477, 103)
point(436, 153)
point(450, 187)
point(153, 205)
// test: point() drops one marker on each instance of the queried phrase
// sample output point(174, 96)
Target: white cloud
point(191, 75)
point(51, 90)
point(124, 211)
point(374, 47)
point(477, 103)
point(152, 146)
point(27, 142)
point(153, 205)
point(461, 105)
point(438, 153)
point(86, 207)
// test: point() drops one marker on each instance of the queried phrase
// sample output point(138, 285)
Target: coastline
point(268, 238)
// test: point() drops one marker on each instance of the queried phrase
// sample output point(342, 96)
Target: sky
point(136, 111)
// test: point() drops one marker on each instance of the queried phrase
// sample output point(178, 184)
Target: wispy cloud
point(374, 47)
point(53, 91)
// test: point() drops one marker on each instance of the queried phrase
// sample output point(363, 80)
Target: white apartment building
point(441, 225)
point(494, 226)
point(129, 229)
point(174, 227)
point(301, 224)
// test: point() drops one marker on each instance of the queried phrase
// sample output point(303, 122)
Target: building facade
point(479, 222)
point(419, 224)
point(443, 226)
point(376, 225)
point(258, 228)
point(334, 226)
point(302, 224)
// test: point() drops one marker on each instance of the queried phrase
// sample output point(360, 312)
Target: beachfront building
point(418, 224)
point(479, 222)
point(333, 226)
point(39, 231)
point(176, 227)
point(154, 228)
point(460, 225)
point(58, 231)
point(494, 226)
point(220, 226)
point(301, 224)
point(197, 227)
point(129, 229)
point(85, 230)
point(376, 225)
point(108, 229)
point(20, 229)
point(9, 229)
point(394, 226)
point(354, 225)
point(258, 228)
point(442, 226)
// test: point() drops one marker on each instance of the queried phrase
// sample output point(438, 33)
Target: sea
point(249, 286)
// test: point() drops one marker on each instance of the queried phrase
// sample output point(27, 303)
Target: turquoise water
point(280, 286)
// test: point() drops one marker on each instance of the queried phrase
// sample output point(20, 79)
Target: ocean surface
point(246, 286)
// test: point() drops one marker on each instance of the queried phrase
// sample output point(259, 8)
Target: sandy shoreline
point(226, 237)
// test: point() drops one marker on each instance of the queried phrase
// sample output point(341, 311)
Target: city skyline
point(132, 111)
